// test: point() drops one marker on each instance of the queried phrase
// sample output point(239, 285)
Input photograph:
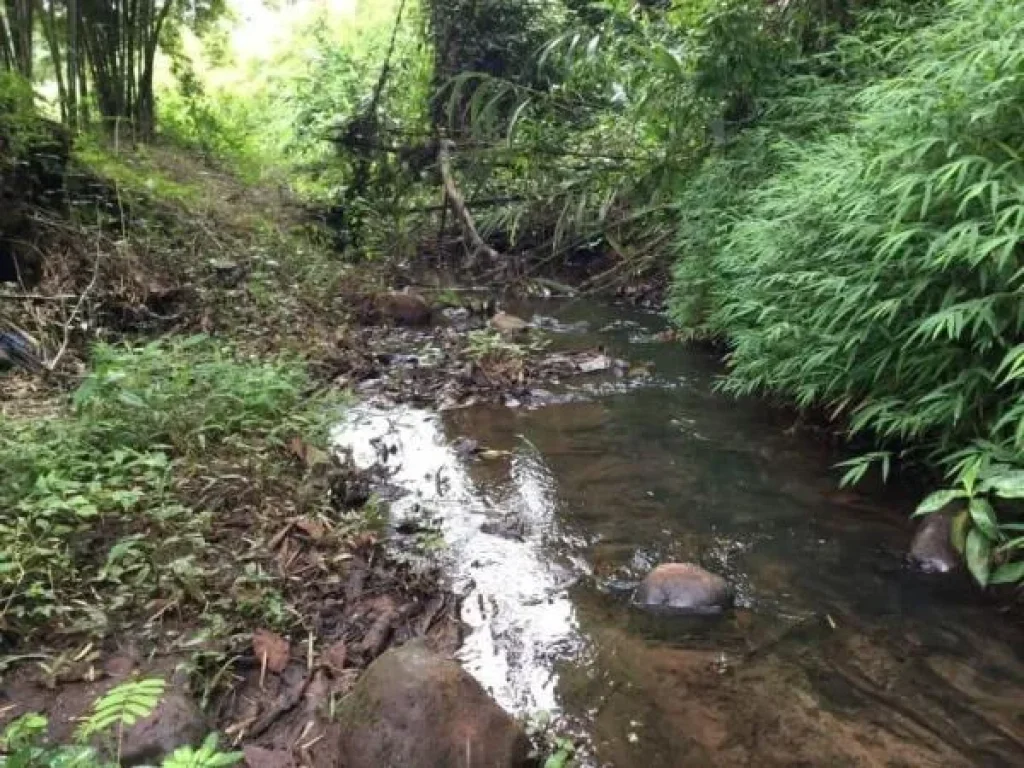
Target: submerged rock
point(932, 550)
point(684, 587)
point(176, 722)
point(415, 709)
point(404, 308)
point(508, 325)
point(505, 529)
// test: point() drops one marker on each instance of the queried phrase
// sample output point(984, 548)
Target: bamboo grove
point(100, 53)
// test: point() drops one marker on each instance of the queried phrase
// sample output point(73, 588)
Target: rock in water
point(415, 709)
point(176, 722)
point(683, 587)
point(405, 308)
point(508, 325)
point(932, 550)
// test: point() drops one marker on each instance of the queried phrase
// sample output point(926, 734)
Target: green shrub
point(191, 395)
point(89, 499)
point(877, 269)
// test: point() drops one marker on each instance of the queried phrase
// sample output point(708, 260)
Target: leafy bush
point(876, 268)
point(89, 500)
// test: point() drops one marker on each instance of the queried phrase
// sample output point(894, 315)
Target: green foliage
point(191, 395)
point(487, 346)
point(207, 756)
point(19, 119)
point(92, 495)
point(273, 111)
point(123, 706)
point(555, 749)
point(870, 261)
point(992, 544)
point(131, 172)
point(24, 740)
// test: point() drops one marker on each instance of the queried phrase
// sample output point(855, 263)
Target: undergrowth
point(96, 523)
point(99, 737)
point(868, 259)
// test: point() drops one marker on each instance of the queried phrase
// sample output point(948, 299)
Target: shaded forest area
point(205, 205)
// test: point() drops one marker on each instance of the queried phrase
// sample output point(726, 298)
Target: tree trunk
point(73, 65)
point(49, 23)
point(6, 47)
point(19, 34)
point(146, 109)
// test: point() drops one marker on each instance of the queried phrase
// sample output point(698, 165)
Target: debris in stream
point(509, 325)
point(513, 530)
point(447, 368)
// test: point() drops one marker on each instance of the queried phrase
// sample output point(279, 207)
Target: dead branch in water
point(458, 204)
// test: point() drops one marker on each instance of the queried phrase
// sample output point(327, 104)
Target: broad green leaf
point(1009, 485)
point(937, 501)
point(958, 530)
point(979, 550)
point(1008, 573)
point(984, 518)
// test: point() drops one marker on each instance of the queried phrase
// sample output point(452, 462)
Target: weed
point(97, 494)
point(487, 346)
point(25, 744)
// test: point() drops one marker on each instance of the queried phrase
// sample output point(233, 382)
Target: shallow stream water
point(835, 654)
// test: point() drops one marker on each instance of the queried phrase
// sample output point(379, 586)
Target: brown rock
point(415, 709)
point(176, 722)
point(508, 325)
point(405, 308)
point(684, 587)
point(932, 550)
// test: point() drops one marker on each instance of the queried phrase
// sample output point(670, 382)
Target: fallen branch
point(52, 365)
point(37, 297)
point(458, 204)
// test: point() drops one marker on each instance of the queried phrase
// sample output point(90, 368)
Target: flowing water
point(835, 655)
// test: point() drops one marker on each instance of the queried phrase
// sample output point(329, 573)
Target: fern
point(123, 706)
point(207, 756)
point(24, 740)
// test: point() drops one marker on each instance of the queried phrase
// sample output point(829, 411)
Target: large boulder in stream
point(415, 709)
point(683, 588)
point(931, 549)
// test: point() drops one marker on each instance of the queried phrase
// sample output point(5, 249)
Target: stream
point(835, 654)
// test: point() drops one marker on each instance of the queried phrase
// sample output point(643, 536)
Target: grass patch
point(134, 171)
point(101, 519)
